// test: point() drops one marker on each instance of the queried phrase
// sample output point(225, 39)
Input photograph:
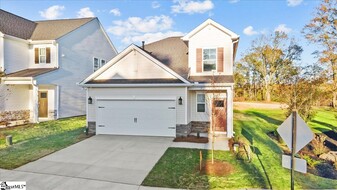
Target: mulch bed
point(218, 168)
point(193, 139)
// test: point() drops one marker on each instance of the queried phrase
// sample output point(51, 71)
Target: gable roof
point(19, 27)
point(172, 52)
point(54, 29)
point(213, 23)
point(132, 47)
point(16, 26)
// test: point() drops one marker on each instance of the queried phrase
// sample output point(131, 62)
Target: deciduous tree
point(322, 30)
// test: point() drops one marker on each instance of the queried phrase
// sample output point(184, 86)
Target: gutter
point(155, 85)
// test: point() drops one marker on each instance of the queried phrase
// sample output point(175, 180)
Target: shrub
point(318, 145)
point(311, 161)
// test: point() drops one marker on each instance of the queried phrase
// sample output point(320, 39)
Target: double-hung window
point(98, 63)
point(209, 59)
point(42, 55)
point(201, 103)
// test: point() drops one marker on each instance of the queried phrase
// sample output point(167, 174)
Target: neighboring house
point(43, 61)
point(167, 88)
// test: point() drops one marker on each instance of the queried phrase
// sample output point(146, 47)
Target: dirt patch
point(193, 139)
point(218, 168)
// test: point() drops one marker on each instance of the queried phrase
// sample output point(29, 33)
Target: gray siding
point(75, 54)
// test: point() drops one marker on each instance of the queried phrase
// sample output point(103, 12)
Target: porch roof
point(30, 72)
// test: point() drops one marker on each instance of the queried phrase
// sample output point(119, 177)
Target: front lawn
point(33, 141)
point(178, 168)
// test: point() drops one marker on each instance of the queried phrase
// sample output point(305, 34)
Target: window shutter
point(36, 55)
point(199, 60)
point(48, 55)
point(220, 61)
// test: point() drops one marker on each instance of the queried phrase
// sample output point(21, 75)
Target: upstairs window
point(42, 55)
point(98, 63)
point(209, 59)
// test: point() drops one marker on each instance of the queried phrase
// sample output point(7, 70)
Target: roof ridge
point(64, 19)
point(17, 15)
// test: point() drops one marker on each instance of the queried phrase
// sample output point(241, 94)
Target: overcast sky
point(132, 21)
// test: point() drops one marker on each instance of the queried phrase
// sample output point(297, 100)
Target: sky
point(133, 21)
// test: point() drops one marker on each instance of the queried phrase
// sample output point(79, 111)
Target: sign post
point(295, 142)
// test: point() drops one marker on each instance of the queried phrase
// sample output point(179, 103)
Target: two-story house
point(167, 88)
point(43, 61)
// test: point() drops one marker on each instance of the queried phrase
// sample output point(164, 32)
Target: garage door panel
point(136, 117)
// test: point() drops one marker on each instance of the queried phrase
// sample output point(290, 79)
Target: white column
point(2, 52)
point(230, 128)
point(35, 104)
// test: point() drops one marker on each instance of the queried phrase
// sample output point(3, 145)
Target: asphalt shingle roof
point(30, 72)
point(19, 27)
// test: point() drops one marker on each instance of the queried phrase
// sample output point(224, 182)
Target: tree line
point(270, 69)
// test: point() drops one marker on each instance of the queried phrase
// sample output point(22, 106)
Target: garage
point(143, 117)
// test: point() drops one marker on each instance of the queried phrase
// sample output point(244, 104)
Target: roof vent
point(143, 44)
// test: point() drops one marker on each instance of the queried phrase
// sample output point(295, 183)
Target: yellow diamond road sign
point(303, 133)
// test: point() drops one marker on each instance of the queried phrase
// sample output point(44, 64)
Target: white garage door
point(136, 117)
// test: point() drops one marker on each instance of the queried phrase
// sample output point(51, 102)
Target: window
point(102, 62)
point(218, 103)
point(42, 55)
point(201, 103)
point(96, 64)
point(209, 59)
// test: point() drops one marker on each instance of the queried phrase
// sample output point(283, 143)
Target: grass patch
point(33, 141)
point(177, 167)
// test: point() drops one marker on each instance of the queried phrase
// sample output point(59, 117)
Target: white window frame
point(45, 55)
point(93, 63)
point(216, 58)
point(196, 100)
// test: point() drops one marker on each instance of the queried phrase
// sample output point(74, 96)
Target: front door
point(43, 104)
point(220, 114)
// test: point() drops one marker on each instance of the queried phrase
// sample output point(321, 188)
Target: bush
point(311, 162)
point(318, 145)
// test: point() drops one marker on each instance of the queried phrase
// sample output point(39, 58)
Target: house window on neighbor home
point(96, 64)
point(102, 62)
point(201, 103)
point(42, 55)
point(209, 59)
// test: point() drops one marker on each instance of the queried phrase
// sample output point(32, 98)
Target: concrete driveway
point(100, 162)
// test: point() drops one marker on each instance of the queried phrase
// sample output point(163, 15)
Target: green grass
point(265, 171)
point(33, 141)
point(324, 120)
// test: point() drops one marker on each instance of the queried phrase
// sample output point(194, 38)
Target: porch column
point(35, 104)
point(230, 112)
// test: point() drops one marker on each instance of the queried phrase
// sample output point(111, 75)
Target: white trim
point(186, 104)
point(213, 23)
point(196, 101)
point(125, 52)
point(133, 85)
point(134, 99)
point(57, 102)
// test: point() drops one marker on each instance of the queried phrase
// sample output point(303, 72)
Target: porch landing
point(220, 143)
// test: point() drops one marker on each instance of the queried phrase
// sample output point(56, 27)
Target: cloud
point(85, 12)
point(52, 12)
point(233, 1)
point(155, 4)
point(283, 28)
point(150, 37)
point(191, 7)
point(141, 25)
point(115, 12)
point(294, 3)
point(149, 29)
point(249, 31)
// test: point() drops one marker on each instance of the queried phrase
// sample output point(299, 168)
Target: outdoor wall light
point(180, 101)
point(89, 100)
